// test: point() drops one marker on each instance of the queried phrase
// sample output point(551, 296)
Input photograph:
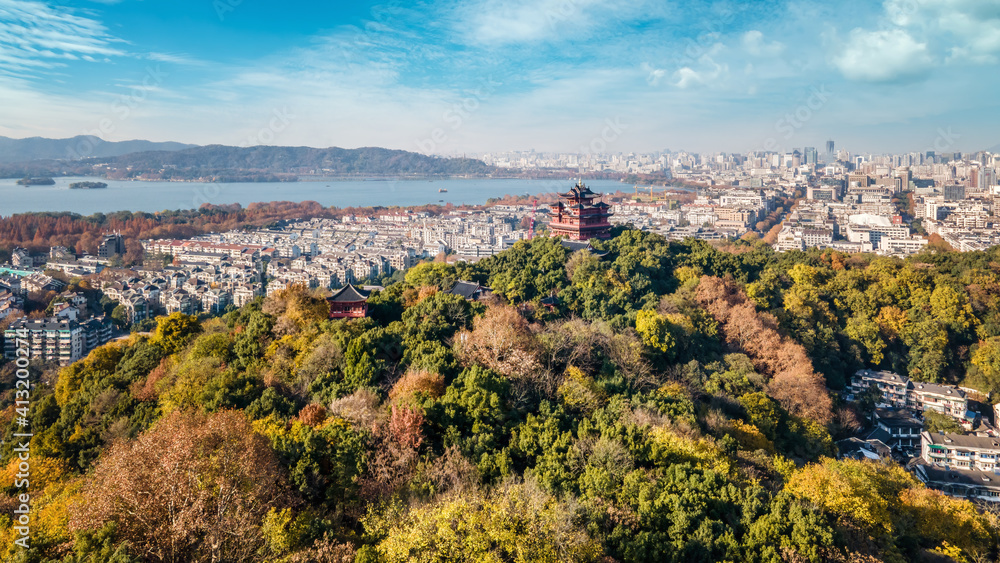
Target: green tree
point(174, 330)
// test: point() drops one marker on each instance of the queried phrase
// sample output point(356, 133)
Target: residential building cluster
point(850, 202)
point(964, 464)
point(886, 204)
point(68, 335)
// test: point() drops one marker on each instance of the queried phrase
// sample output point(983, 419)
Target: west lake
point(121, 195)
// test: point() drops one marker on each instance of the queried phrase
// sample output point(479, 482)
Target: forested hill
point(81, 146)
point(362, 161)
point(259, 163)
point(678, 402)
point(366, 160)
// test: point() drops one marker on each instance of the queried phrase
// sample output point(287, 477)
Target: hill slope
point(81, 146)
point(225, 163)
point(333, 160)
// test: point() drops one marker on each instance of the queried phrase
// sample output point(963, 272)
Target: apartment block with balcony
point(54, 339)
point(901, 393)
point(892, 385)
point(960, 451)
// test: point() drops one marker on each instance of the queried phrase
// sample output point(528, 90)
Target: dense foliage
point(678, 402)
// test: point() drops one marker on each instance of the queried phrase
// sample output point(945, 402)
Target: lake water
point(159, 196)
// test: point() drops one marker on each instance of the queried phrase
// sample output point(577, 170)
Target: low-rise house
point(898, 429)
point(469, 290)
point(180, 301)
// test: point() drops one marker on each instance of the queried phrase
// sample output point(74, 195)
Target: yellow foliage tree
point(940, 518)
point(515, 524)
point(866, 493)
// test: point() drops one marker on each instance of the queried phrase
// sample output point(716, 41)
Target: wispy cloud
point(679, 73)
point(175, 58)
point(35, 36)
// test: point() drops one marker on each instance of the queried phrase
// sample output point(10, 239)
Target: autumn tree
point(195, 487)
point(502, 341)
point(173, 331)
point(793, 381)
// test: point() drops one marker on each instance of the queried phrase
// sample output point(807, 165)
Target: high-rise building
point(812, 156)
point(989, 178)
point(829, 147)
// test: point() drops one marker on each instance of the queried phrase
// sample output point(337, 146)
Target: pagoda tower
point(578, 217)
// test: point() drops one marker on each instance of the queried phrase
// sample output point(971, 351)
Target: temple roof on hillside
point(349, 294)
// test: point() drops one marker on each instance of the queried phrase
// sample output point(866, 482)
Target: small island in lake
point(36, 182)
point(87, 185)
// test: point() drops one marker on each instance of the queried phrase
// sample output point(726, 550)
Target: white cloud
point(653, 75)
point(174, 58)
point(754, 44)
point(526, 21)
point(882, 56)
point(958, 30)
point(709, 72)
point(510, 22)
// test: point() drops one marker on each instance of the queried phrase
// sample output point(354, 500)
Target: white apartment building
point(960, 451)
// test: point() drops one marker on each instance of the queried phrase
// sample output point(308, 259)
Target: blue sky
point(490, 75)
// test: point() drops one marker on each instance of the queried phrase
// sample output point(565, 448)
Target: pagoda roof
point(579, 190)
point(349, 294)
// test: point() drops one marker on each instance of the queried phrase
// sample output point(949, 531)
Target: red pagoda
point(348, 303)
point(578, 217)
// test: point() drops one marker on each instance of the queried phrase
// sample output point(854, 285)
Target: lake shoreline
point(157, 196)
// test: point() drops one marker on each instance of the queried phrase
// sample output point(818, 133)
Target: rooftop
point(962, 441)
point(349, 294)
point(967, 477)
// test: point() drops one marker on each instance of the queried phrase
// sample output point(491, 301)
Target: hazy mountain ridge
point(73, 148)
point(277, 159)
point(236, 163)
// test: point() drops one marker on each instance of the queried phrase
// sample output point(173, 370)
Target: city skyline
point(557, 76)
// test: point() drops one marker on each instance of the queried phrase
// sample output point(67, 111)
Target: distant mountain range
point(228, 164)
point(81, 146)
point(300, 160)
